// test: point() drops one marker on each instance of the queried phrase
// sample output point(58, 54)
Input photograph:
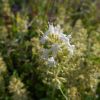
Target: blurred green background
point(22, 20)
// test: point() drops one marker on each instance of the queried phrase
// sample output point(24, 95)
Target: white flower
point(43, 39)
point(45, 53)
point(56, 30)
point(51, 61)
point(54, 49)
point(51, 29)
point(65, 39)
point(71, 49)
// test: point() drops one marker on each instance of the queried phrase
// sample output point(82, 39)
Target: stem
point(63, 93)
point(53, 93)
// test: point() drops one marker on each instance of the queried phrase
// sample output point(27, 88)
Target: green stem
point(63, 93)
point(53, 93)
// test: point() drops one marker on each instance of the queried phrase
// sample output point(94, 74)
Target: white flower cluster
point(56, 31)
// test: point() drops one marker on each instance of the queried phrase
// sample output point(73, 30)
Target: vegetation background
point(21, 23)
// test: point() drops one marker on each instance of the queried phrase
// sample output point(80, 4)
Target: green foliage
point(24, 75)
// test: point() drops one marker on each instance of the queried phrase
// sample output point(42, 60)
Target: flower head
point(54, 41)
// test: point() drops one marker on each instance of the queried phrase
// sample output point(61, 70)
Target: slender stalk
point(63, 93)
point(53, 93)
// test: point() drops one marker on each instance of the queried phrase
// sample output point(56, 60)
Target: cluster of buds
point(3, 68)
point(17, 88)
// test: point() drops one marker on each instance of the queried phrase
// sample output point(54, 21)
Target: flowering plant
point(54, 52)
point(61, 65)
